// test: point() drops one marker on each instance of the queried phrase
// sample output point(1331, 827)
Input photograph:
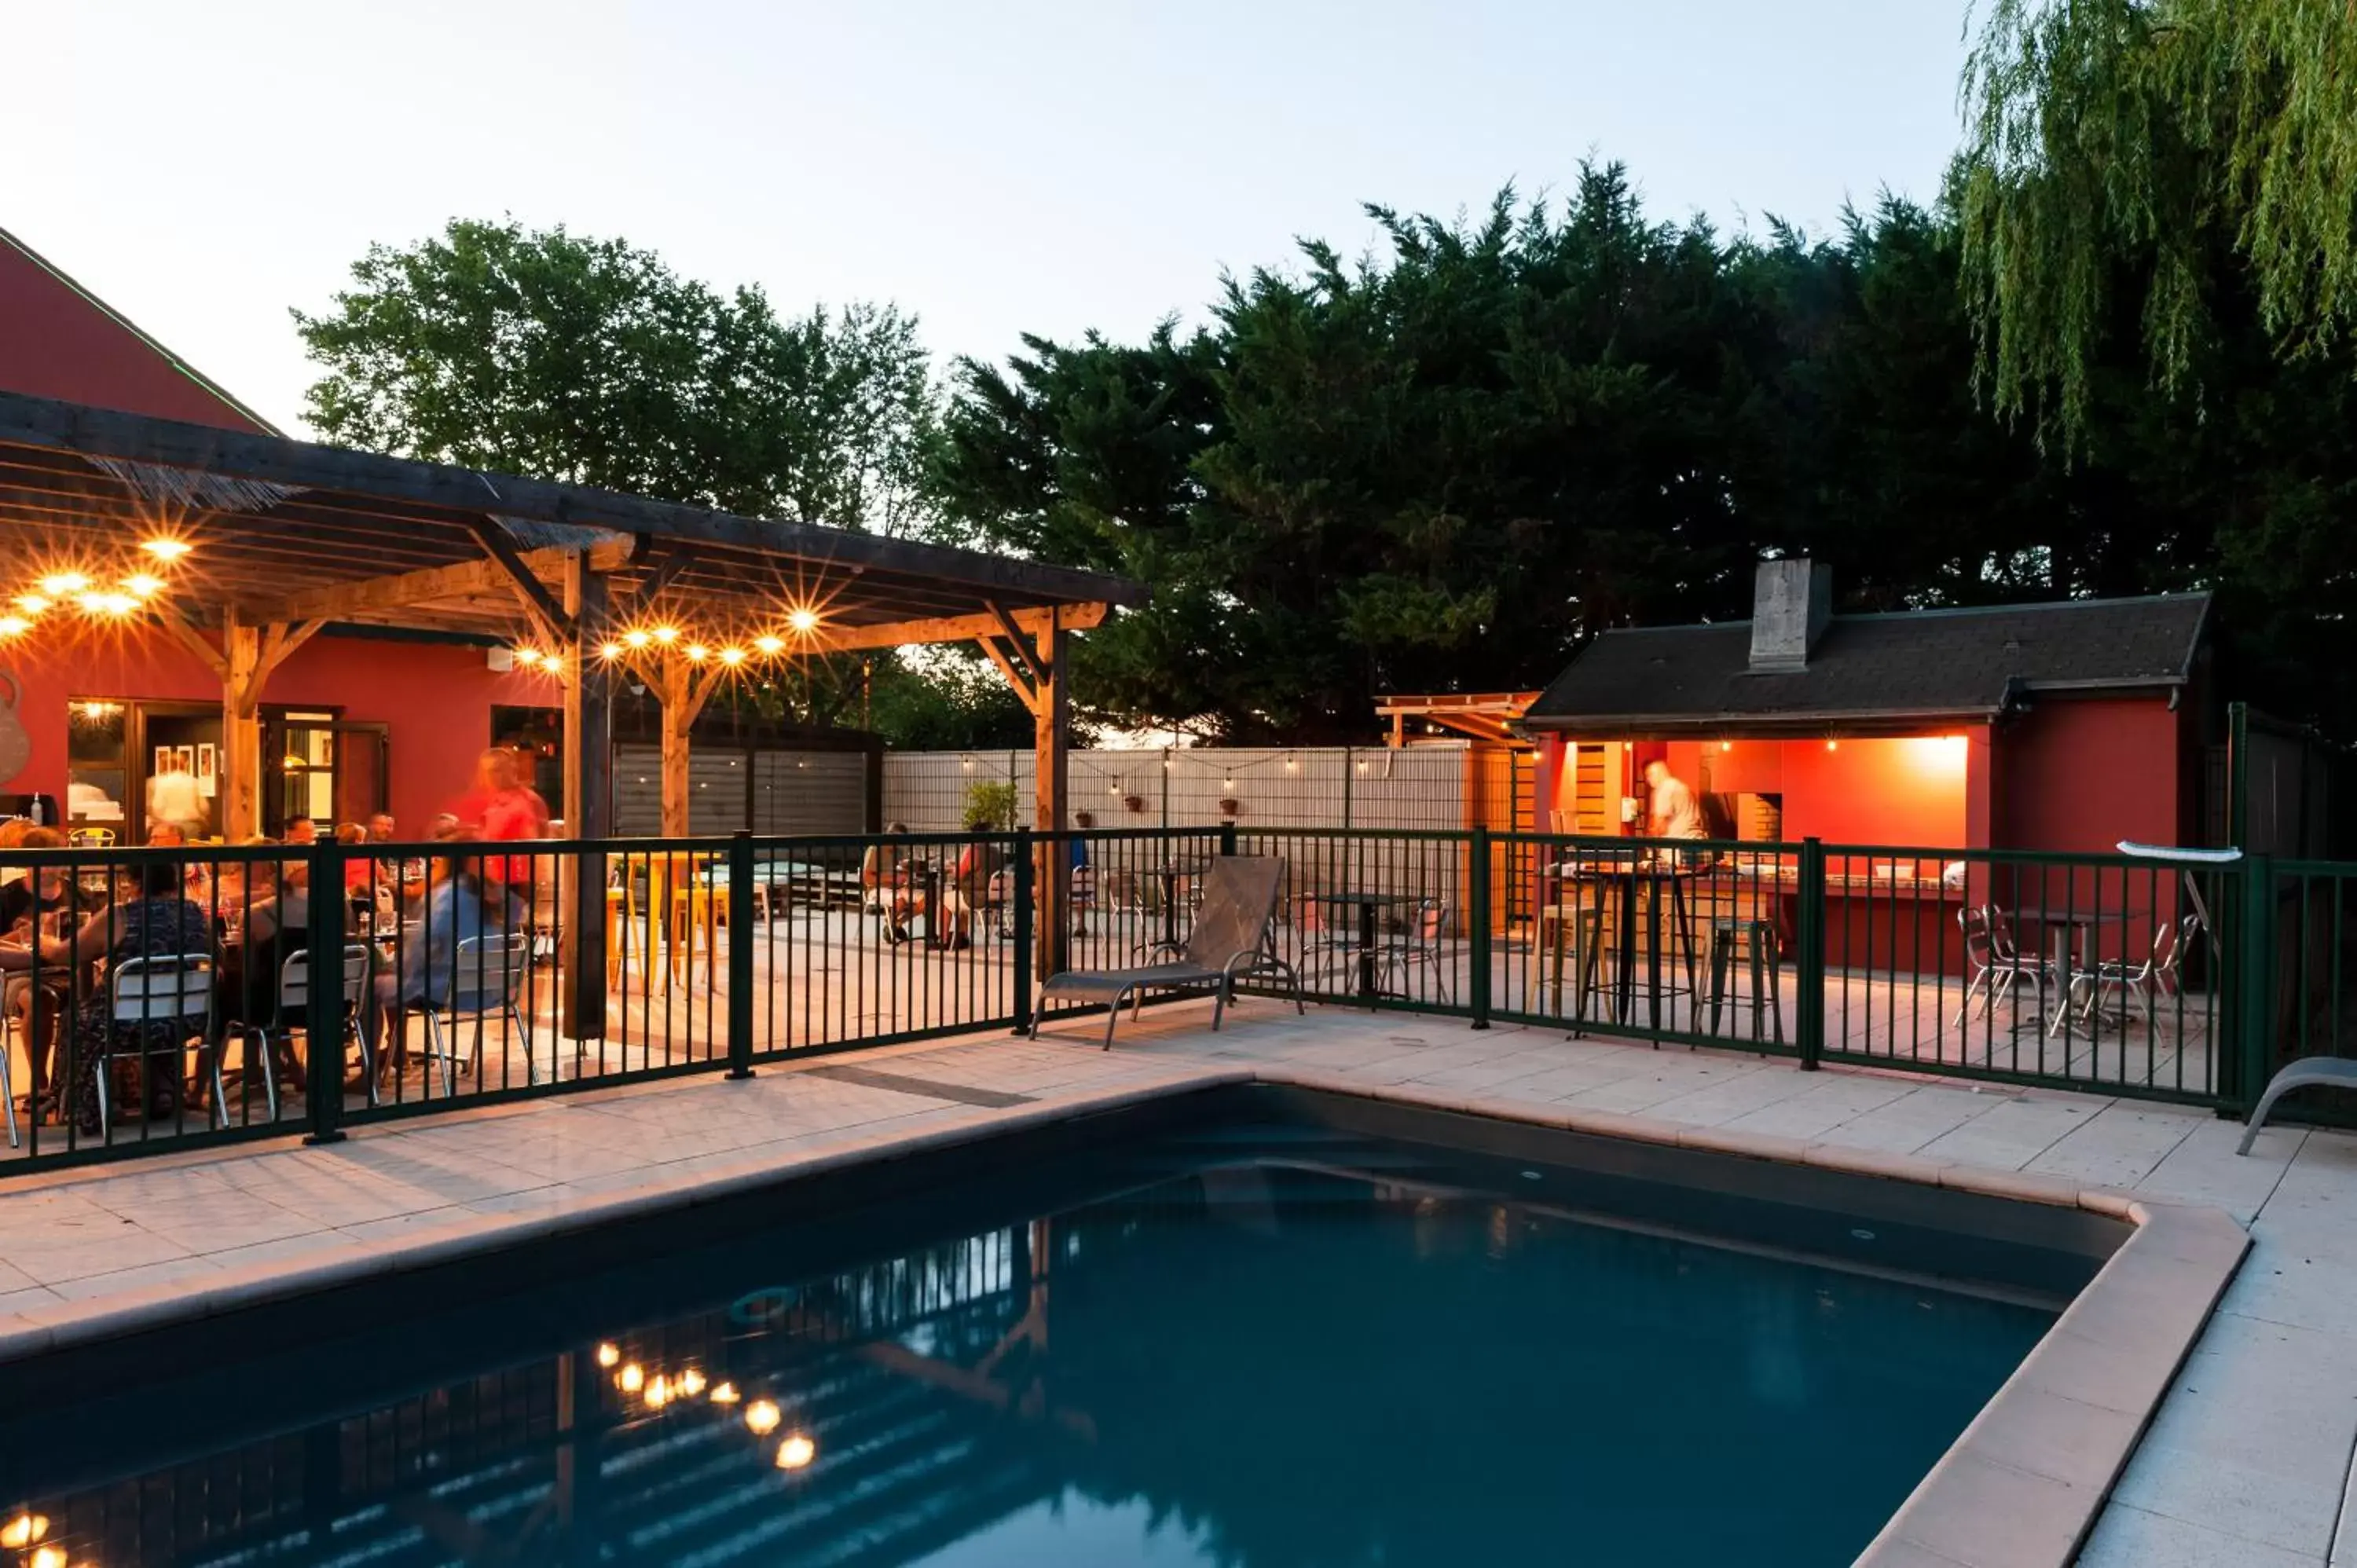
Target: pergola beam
point(958, 628)
point(467, 579)
point(524, 580)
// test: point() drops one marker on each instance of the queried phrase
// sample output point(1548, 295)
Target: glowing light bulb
point(631, 1379)
point(771, 644)
point(106, 604)
point(608, 1354)
point(803, 620)
point(796, 1452)
point(59, 585)
point(139, 585)
point(23, 1530)
point(1227, 783)
point(658, 1393)
point(725, 1393)
point(48, 1557)
point(527, 657)
point(10, 626)
point(1833, 745)
point(610, 650)
point(697, 653)
point(166, 549)
point(666, 634)
point(636, 637)
point(31, 604)
point(690, 1383)
point(761, 1417)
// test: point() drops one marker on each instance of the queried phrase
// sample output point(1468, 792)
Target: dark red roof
point(60, 341)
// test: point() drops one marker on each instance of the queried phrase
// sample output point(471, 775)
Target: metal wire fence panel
point(2098, 972)
point(2305, 1000)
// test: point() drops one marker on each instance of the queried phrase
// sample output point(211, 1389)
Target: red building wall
point(436, 699)
point(2083, 774)
point(57, 341)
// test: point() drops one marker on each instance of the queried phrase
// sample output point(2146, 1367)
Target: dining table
point(1370, 903)
point(1636, 892)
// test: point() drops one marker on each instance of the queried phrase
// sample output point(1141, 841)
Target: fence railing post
point(740, 955)
point(323, 1021)
point(1228, 836)
point(2254, 987)
point(1028, 848)
point(1809, 1007)
point(1476, 899)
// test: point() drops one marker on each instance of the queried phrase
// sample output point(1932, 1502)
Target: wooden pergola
point(285, 537)
point(1488, 716)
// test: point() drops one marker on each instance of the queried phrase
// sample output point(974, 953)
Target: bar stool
point(1756, 937)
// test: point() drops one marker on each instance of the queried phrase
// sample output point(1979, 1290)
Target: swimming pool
point(1241, 1327)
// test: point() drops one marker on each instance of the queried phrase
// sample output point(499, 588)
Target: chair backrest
point(168, 989)
point(90, 838)
point(1431, 921)
point(1238, 902)
point(295, 977)
point(1980, 944)
point(2169, 943)
point(485, 971)
point(2001, 939)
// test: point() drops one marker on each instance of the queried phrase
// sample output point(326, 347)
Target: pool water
point(1271, 1347)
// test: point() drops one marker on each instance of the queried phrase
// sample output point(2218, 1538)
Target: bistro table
point(1172, 877)
point(1368, 903)
point(1641, 887)
point(2067, 931)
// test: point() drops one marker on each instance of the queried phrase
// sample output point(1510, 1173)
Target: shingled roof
point(1869, 671)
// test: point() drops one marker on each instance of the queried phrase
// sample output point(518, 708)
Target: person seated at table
point(22, 902)
point(152, 917)
point(381, 827)
point(167, 836)
point(302, 830)
point(360, 870)
point(37, 907)
point(460, 905)
point(875, 873)
point(973, 888)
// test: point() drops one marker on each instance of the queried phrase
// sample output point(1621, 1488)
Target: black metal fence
point(160, 998)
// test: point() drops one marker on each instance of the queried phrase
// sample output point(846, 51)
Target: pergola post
point(684, 688)
point(1051, 725)
point(241, 786)
point(243, 662)
point(589, 799)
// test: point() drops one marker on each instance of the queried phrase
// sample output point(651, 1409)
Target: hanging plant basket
point(1133, 802)
point(1229, 805)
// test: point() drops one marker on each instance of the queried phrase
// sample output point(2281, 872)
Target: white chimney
point(1792, 599)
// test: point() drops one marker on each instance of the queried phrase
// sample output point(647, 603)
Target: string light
point(23, 1530)
point(527, 657)
point(107, 604)
point(610, 650)
point(697, 653)
point(48, 1557)
point(141, 584)
point(636, 637)
point(666, 635)
point(725, 1393)
point(761, 1417)
point(1833, 745)
point(796, 1452)
point(803, 619)
point(31, 604)
point(771, 644)
point(608, 1354)
point(60, 585)
point(732, 656)
point(164, 549)
point(631, 1379)
point(12, 625)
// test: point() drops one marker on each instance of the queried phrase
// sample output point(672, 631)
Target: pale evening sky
point(1043, 167)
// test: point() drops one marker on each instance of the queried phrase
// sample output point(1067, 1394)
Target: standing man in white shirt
point(1671, 812)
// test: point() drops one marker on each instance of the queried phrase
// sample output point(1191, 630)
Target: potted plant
point(1229, 805)
point(1133, 802)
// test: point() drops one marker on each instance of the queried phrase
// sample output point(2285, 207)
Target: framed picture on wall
point(184, 759)
point(208, 762)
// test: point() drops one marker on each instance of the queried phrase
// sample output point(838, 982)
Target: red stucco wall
point(436, 699)
point(56, 343)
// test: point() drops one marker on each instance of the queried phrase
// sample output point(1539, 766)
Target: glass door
point(323, 768)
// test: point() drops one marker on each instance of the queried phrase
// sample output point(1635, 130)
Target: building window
point(99, 776)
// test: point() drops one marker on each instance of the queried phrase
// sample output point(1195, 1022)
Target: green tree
point(560, 357)
point(2118, 147)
